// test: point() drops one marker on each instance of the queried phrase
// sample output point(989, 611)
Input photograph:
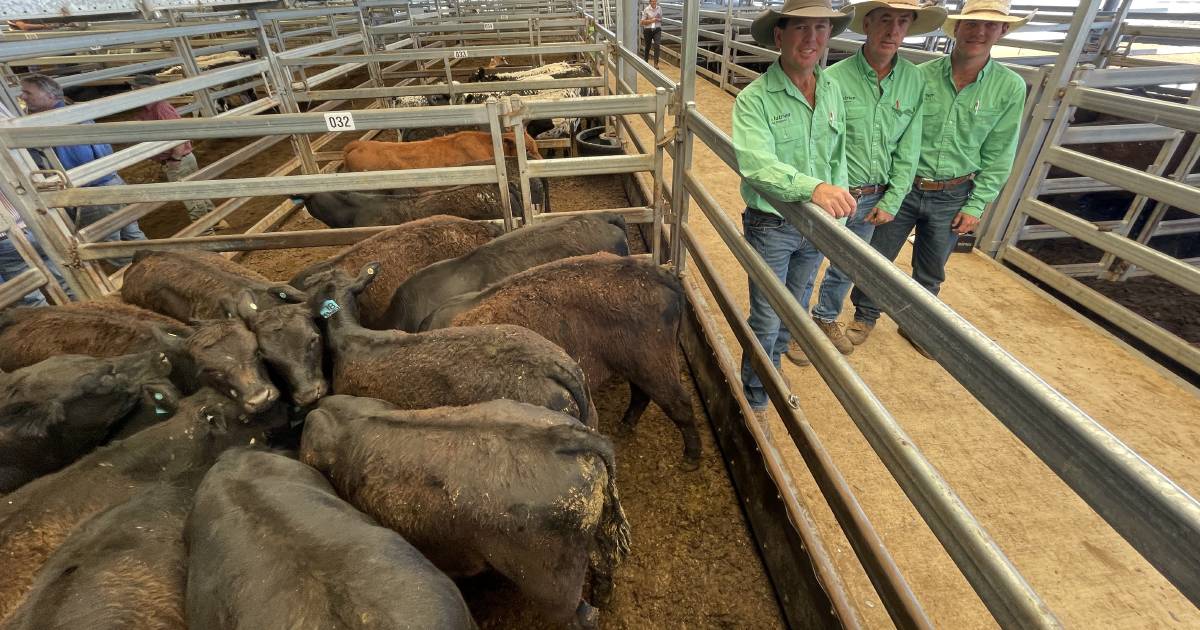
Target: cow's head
point(225, 355)
point(290, 344)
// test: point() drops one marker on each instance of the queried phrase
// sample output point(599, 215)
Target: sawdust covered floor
point(692, 563)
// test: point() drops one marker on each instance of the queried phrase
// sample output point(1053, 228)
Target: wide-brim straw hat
point(928, 19)
point(987, 11)
point(763, 28)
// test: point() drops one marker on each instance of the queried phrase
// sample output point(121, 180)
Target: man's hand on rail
point(964, 223)
point(879, 217)
point(838, 202)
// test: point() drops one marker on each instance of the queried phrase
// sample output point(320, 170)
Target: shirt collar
point(948, 69)
point(778, 81)
point(865, 68)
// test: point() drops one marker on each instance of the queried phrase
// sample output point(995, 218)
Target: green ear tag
point(328, 308)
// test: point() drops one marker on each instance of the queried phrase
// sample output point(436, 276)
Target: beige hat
point(763, 28)
point(987, 11)
point(928, 19)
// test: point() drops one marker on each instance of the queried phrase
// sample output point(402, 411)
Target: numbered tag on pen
point(339, 121)
point(489, 26)
point(461, 54)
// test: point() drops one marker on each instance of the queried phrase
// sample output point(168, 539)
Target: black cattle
point(37, 518)
point(530, 246)
point(538, 502)
point(125, 568)
point(205, 285)
point(272, 546)
point(456, 366)
point(54, 412)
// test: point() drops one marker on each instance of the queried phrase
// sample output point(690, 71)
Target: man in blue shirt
point(41, 93)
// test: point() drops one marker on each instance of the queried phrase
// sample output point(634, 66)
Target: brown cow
point(403, 250)
point(455, 149)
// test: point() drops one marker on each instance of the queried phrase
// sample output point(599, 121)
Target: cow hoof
point(690, 464)
point(586, 617)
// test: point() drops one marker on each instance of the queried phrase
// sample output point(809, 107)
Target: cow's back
point(324, 560)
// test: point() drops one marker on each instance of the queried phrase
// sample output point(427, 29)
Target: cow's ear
point(244, 307)
point(288, 293)
point(365, 277)
point(168, 339)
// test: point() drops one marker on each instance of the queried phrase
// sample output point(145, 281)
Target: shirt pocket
point(785, 133)
point(857, 130)
point(899, 119)
point(975, 125)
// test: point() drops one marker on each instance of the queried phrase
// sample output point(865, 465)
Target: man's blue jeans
point(931, 213)
point(835, 285)
point(12, 265)
point(793, 259)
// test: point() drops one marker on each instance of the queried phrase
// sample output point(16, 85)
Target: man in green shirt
point(789, 136)
point(882, 93)
point(970, 118)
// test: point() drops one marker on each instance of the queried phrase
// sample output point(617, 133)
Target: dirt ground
point(693, 563)
point(1087, 574)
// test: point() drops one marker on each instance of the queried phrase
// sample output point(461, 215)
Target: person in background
point(971, 121)
point(651, 30)
point(41, 93)
point(11, 262)
point(883, 94)
point(179, 162)
point(789, 134)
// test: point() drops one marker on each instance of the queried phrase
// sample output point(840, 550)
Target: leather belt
point(920, 183)
point(870, 189)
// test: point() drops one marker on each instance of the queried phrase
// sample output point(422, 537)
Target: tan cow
point(455, 149)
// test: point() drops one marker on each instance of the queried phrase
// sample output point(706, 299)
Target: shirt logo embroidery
point(778, 119)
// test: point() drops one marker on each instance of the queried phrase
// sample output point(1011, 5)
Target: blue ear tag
point(328, 308)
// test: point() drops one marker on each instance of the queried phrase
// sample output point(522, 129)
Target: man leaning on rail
point(789, 136)
point(882, 93)
point(971, 116)
point(41, 94)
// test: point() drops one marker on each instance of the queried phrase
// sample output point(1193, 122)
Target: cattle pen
point(1039, 473)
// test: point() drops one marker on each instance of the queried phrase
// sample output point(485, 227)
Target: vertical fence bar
point(680, 201)
point(495, 110)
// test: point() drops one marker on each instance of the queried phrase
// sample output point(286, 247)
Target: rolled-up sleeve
point(755, 148)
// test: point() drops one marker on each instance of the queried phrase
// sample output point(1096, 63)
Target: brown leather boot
point(833, 330)
point(857, 332)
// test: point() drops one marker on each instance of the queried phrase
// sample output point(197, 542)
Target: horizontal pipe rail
point(1129, 321)
point(600, 165)
point(1167, 114)
point(1160, 188)
point(445, 53)
point(1166, 267)
point(24, 49)
point(268, 186)
point(109, 105)
point(239, 126)
point(1007, 595)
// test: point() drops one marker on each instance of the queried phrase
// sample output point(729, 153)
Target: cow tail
point(612, 537)
point(571, 379)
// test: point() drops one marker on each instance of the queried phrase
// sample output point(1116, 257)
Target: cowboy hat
point(987, 11)
point(763, 28)
point(929, 17)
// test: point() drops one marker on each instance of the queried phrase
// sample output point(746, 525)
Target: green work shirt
point(785, 145)
point(883, 125)
point(972, 131)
